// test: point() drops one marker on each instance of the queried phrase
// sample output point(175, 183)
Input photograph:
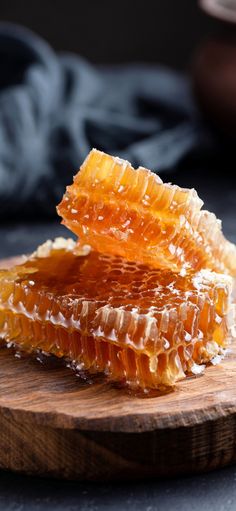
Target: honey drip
point(143, 326)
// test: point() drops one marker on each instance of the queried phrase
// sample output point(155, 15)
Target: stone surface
point(207, 492)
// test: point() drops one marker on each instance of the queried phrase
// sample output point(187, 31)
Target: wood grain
point(53, 423)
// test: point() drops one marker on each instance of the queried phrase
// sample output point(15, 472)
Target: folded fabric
point(53, 109)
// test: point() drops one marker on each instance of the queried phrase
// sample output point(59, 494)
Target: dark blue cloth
point(53, 109)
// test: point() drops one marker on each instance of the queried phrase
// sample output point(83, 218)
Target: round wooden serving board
point(53, 424)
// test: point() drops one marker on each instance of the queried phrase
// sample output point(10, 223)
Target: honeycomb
point(143, 326)
point(131, 213)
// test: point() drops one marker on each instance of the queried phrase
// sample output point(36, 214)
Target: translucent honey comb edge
point(138, 325)
point(132, 213)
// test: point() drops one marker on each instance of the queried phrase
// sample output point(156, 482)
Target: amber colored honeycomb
point(145, 327)
point(132, 213)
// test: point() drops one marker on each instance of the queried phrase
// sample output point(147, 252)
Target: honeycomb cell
point(143, 326)
point(131, 213)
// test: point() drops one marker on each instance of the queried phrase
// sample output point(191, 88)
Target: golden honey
point(131, 213)
point(143, 326)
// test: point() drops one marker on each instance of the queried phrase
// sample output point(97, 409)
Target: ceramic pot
point(214, 68)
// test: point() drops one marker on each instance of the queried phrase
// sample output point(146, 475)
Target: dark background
point(105, 31)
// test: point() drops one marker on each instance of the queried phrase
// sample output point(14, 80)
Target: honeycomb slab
point(143, 326)
point(131, 213)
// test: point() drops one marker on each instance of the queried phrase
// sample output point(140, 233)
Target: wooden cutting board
point(54, 424)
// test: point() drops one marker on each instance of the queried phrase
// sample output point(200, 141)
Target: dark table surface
point(214, 491)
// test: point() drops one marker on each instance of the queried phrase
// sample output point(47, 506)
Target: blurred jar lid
point(224, 10)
